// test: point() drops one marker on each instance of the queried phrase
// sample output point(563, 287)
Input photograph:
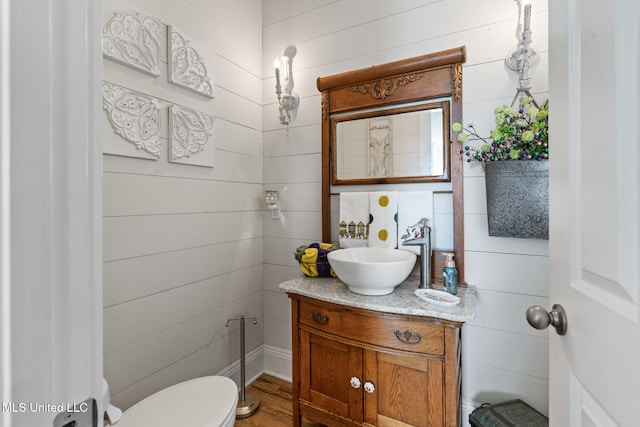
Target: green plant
point(521, 134)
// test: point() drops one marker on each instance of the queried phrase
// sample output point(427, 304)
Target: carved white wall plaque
point(133, 40)
point(190, 135)
point(186, 67)
point(134, 116)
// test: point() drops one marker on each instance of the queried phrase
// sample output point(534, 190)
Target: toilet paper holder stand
point(248, 403)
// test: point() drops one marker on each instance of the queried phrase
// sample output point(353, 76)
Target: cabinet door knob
point(368, 387)
point(355, 382)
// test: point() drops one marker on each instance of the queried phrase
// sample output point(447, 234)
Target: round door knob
point(540, 318)
point(355, 382)
point(368, 387)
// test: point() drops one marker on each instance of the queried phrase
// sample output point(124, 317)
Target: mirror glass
point(393, 144)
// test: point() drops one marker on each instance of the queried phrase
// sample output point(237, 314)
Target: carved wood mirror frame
point(422, 78)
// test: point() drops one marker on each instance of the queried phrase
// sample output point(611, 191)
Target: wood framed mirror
point(361, 109)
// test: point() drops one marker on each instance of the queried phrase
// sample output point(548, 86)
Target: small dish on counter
point(434, 296)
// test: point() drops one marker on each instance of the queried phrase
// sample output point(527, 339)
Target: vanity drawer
point(377, 329)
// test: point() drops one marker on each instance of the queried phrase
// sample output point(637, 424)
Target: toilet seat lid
point(201, 402)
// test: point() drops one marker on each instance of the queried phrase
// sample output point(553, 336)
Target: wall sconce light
point(287, 99)
point(524, 56)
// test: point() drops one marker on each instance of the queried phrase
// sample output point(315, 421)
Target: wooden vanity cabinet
point(356, 367)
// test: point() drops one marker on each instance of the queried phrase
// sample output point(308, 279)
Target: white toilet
point(201, 402)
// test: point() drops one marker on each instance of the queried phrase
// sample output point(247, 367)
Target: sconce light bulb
point(527, 17)
point(276, 63)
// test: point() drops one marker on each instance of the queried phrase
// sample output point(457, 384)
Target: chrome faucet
point(424, 241)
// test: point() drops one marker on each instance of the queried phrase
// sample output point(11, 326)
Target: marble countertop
point(402, 300)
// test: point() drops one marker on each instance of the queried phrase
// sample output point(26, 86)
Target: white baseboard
point(277, 362)
point(468, 406)
point(254, 367)
point(265, 359)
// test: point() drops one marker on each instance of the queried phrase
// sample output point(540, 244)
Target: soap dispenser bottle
point(450, 275)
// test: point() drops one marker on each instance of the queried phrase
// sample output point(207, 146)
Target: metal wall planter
point(518, 198)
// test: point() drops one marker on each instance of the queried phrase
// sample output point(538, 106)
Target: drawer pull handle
point(408, 337)
point(319, 318)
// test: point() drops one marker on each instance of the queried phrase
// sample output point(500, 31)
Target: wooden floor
point(275, 404)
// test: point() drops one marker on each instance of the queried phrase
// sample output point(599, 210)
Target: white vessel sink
point(371, 271)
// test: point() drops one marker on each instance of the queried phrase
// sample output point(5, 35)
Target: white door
point(594, 185)
point(50, 213)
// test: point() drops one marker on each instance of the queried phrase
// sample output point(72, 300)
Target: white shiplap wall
point(187, 247)
point(183, 245)
point(503, 357)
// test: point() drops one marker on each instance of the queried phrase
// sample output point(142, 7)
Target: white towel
point(354, 219)
point(412, 207)
point(383, 230)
